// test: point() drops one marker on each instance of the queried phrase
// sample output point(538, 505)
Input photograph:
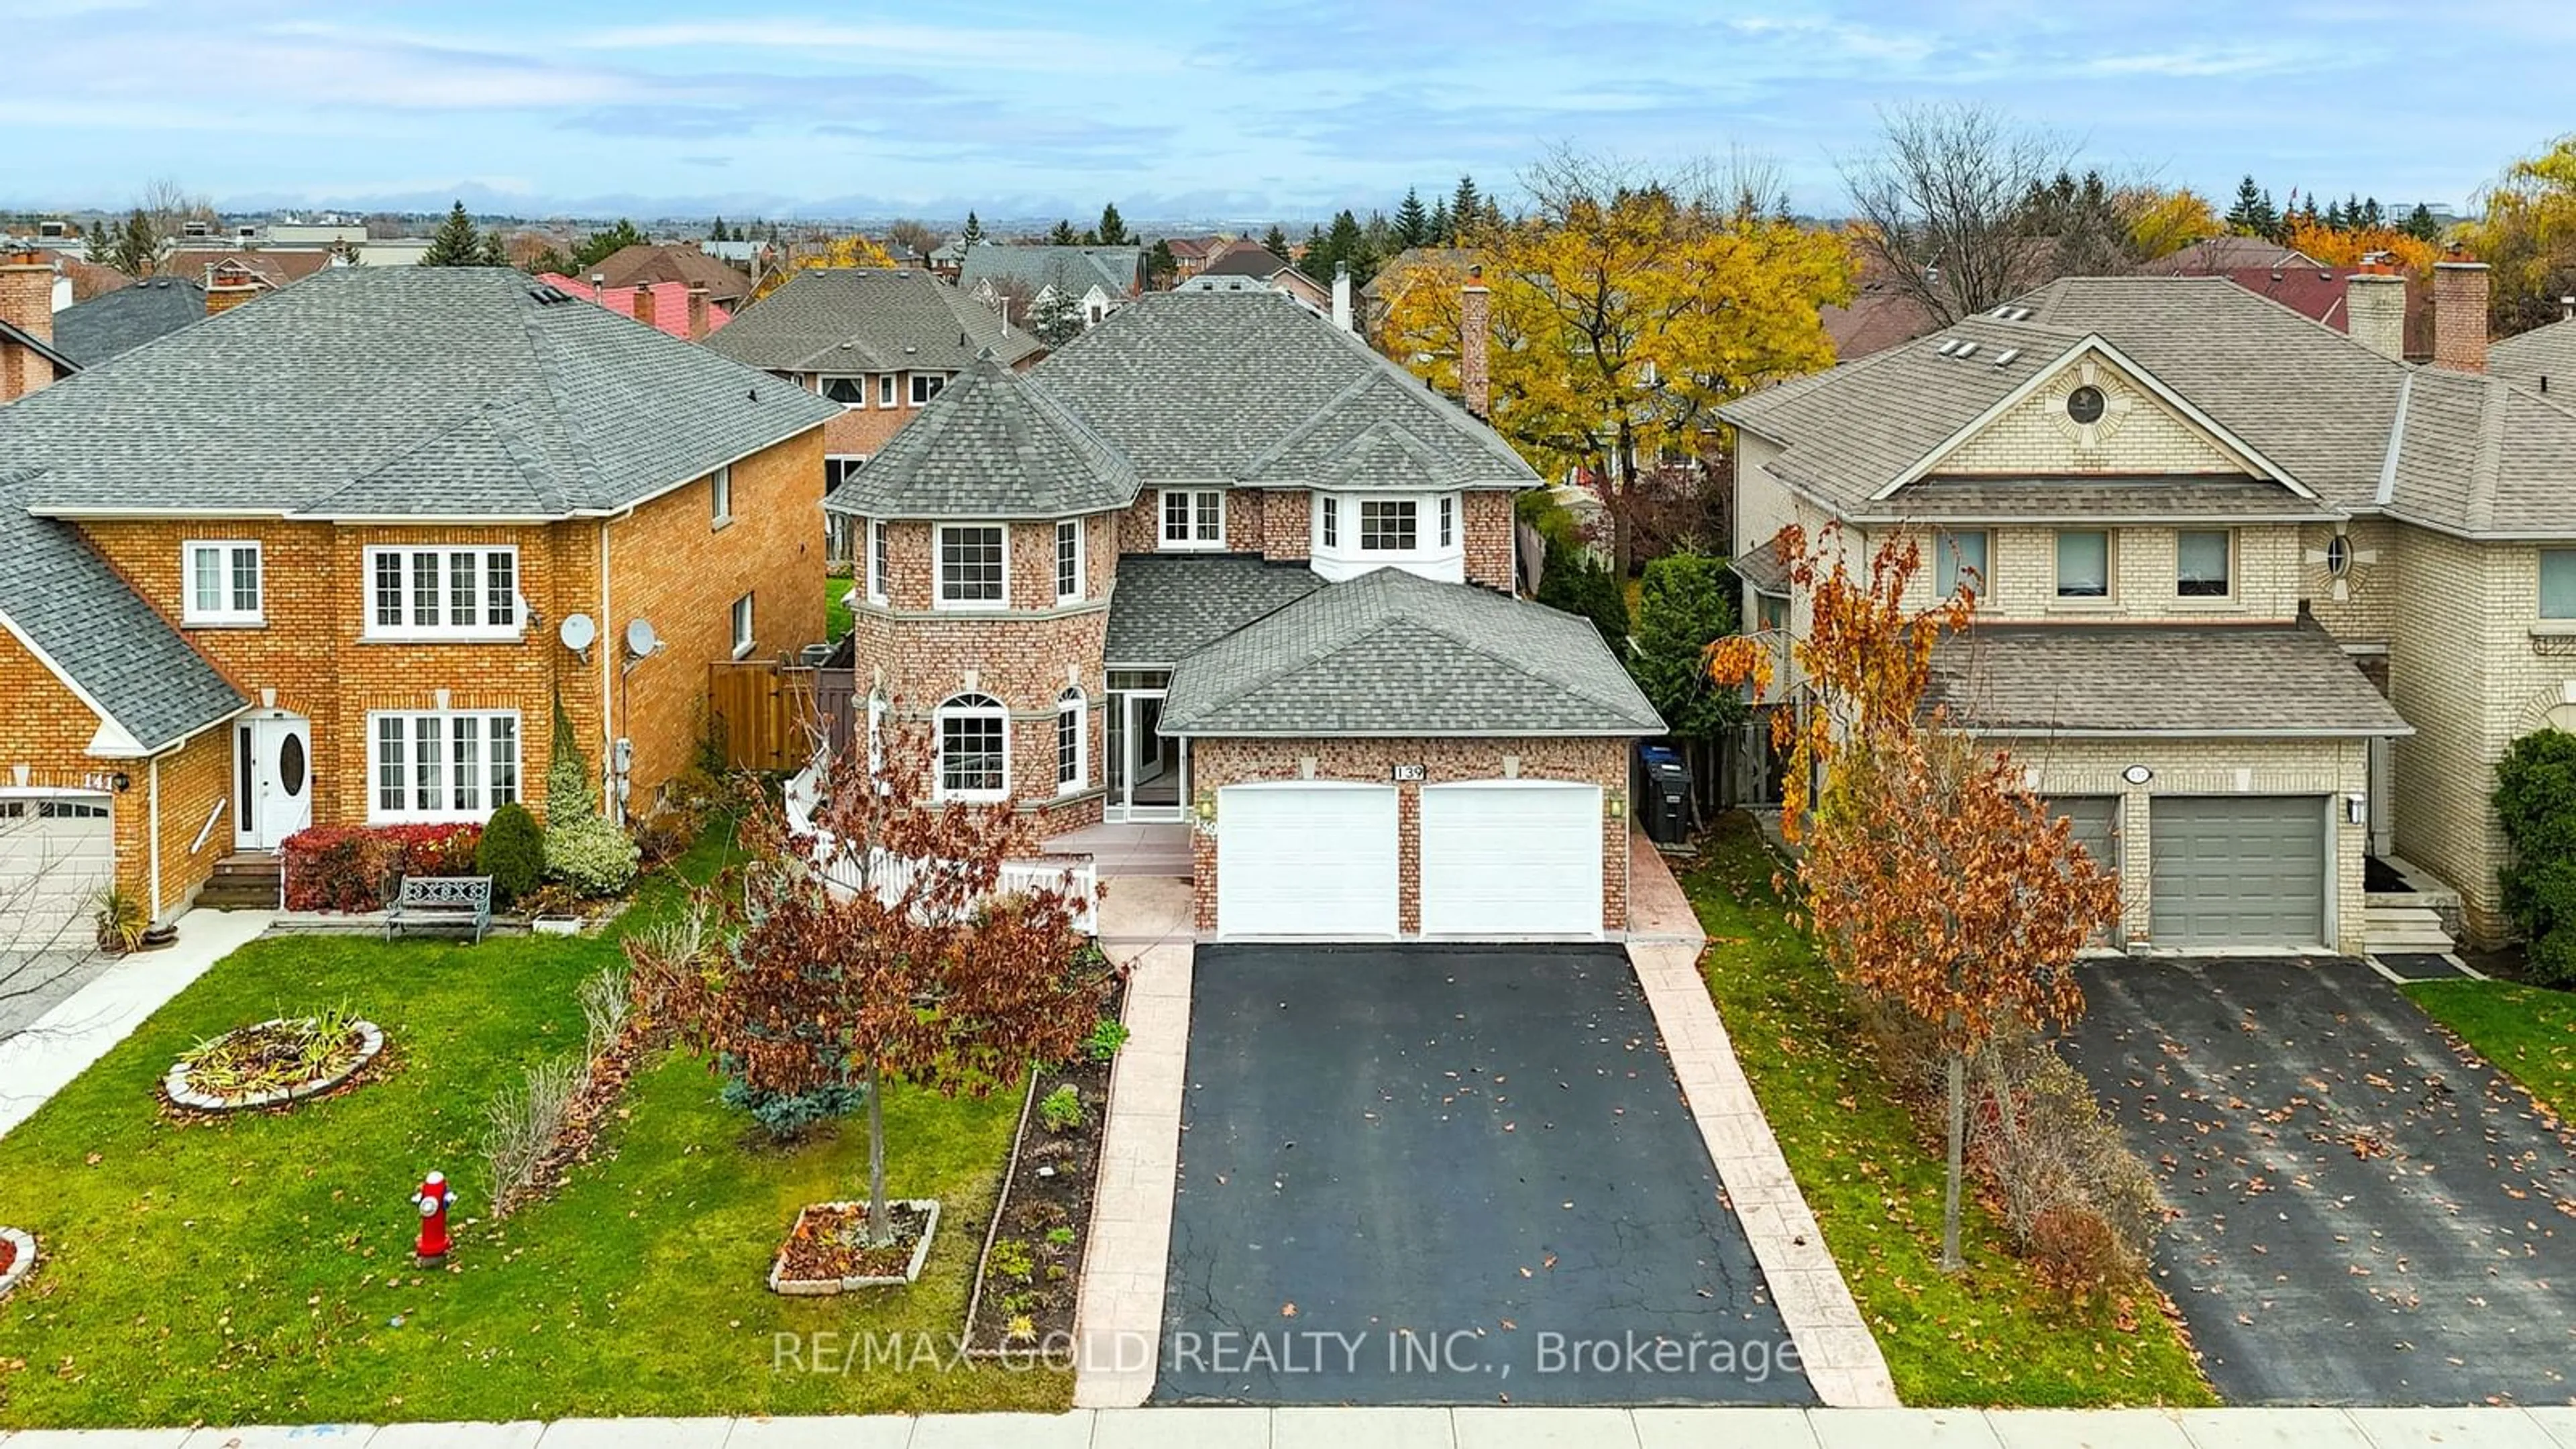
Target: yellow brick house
point(2260, 603)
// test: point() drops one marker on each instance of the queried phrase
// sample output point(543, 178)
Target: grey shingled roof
point(1168, 606)
point(399, 392)
point(118, 649)
point(1119, 271)
point(2132, 679)
point(110, 323)
point(1250, 260)
point(990, 446)
point(2543, 352)
point(1390, 653)
point(2478, 454)
point(2185, 499)
point(868, 319)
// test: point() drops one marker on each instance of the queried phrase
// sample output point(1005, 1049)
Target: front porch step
point(2409, 928)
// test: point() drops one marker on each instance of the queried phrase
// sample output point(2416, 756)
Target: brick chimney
point(697, 311)
point(2374, 306)
point(26, 303)
point(644, 303)
point(2460, 313)
point(1475, 330)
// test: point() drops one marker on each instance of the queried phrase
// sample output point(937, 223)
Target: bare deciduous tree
point(911, 239)
point(45, 953)
point(1942, 208)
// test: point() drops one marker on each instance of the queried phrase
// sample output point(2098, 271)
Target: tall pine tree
point(973, 235)
point(1275, 242)
point(1435, 232)
point(1113, 228)
point(1466, 209)
point(1412, 223)
point(1064, 235)
point(2252, 215)
point(456, 243)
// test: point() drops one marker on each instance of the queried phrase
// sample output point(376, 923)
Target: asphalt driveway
point(2363, 1216)
point(1450, 1175)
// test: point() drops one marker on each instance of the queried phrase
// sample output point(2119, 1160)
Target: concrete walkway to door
point(64, 1042)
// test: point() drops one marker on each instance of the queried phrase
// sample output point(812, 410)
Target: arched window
point(974, 749)
point(1070, 773)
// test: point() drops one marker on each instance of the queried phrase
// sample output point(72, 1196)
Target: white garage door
point(56, 855)
point(1306, 858)
point(1511, 858)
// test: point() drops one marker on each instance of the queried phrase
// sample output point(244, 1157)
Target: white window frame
point(823, 389)
point(878, 563)
point(720, 495)
point(1448, 521)
point(227, 552)
point(963, 707)
point(1194, 536)
point(1413, 521)
point(886, 390)
point(1068, 531)
point(489, 792)
point(1329, 532)
point(924, 386)
point(939, 569)
point(745, 638)
point(1072, 710)
point(408, 599)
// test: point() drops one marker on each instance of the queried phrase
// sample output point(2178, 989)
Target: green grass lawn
point(258, 1269)
point(836, 607)
point(2528, 1031)
point(1991, 1335)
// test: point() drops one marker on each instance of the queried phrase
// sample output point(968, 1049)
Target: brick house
point(879, 342)
point(311, 562)
point(2262, 603)
point(1217, 575)
point(678, 265)
point(1098, 280)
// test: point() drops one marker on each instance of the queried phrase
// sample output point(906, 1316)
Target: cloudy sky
point(1239, 110)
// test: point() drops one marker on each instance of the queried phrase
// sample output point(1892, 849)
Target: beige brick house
point(2261, 604)
point(1218, 586)
point(312, 561)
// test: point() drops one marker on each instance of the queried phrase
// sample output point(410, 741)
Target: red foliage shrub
point(353, 868)
point(2075, 1249)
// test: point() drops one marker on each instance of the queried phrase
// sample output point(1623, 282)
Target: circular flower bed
point(17, 1258)
point(277, 1061)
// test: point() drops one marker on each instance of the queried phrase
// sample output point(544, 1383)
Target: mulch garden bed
point(828, 1251)
point(273, 1064)
point(1030, 1277)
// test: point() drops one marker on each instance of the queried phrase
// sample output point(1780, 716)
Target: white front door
point(273, 780)
point(1511, 858)
point(1307, 858)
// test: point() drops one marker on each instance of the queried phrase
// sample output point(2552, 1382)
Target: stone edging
point(23, 1264)
point(821, 1287)
point(371, 1044)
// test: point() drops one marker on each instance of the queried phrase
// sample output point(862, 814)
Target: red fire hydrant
point(433, 1200)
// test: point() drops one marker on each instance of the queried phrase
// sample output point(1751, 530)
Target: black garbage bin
point(1663, 794)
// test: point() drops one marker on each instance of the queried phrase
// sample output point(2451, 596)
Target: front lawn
point(1991, 1335)
point(257, 1269)
point(2527, 1031)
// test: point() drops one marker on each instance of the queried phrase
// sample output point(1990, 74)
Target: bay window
point(1387, 525)
point(974, 566)
point(1068, 560)
point(441, 765)
point(443, 593)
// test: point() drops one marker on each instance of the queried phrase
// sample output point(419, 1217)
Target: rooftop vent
point(2005, 357)
point(1949, 347)
point(1966, 349)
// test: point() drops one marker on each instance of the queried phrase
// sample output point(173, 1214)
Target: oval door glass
point(290, 766)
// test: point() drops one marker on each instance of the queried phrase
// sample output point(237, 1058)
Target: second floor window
point(1959, 557)
point(223, 584)
point(720, 494)
point(2558, 583)
point(1448, 519)
point(974, 570)
point(1387, 525)
point(849, 392)
point(2083, 564)
point(876, 561)
point(443, 593)
point(743, 638)
point(925, 386)
point(1068, 560)
point(2200, 563)
point(1193, 518)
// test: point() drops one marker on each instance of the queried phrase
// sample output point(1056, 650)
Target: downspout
point(152, 815)
point(608, 647)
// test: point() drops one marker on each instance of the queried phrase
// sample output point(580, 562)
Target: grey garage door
point(2238, 870)
point(2094, 821)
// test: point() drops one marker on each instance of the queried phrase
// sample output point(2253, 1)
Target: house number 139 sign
point(1408, 772)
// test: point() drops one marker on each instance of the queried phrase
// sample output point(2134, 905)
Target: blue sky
point(1237, 110)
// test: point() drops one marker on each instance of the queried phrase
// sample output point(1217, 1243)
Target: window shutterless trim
point(720, 495)
point(745, 639)
point(877, 561)
point(431, 766)
point(423, 602)
point(939, 599)
point(976, 710)
point(1068, 562)
point(228, 554)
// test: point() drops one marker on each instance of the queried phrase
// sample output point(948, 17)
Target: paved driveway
point(2364, 1217)
point(1449, 1175)
point(35, 982)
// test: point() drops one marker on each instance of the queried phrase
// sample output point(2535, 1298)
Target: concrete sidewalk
point(1496, 1428)
point(66, 1041)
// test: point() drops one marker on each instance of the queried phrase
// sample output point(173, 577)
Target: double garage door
point(2226, 871)
point(56, 854)
point(1324, 859)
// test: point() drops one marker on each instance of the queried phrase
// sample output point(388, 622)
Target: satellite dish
point(640, 638)
point(577, 632)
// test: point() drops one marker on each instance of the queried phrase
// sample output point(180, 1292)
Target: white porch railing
point(892, 875)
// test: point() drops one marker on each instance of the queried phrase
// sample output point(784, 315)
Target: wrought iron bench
point(442, 900)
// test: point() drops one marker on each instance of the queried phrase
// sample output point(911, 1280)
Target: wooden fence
point(762, 713)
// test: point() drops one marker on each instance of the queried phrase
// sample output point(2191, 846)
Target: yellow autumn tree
point(843, 251)
point(2163, 222)
point(2412, 254)
point(2527, 236)
point(1626, 306)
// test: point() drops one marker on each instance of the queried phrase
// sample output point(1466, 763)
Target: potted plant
point(121, 921)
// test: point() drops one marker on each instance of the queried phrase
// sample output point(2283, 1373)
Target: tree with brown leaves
point(877, 945)
point(1940, 887)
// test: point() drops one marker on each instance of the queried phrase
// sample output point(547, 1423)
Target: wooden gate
point(762, 713)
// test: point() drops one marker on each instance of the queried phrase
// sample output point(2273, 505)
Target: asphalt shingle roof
point(398, 392)
point(2543, 352)
point(990, 446)
point(1168, 606)
point(681, 262)
point(1119, 271)
point(868, 319)
point(1390, 653)
point(110, 323)
point(2184, 499)
point(118, 649)
point(2131, 679)
point(2477, 454)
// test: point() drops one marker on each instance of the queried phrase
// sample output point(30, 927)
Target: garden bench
point(442, 900)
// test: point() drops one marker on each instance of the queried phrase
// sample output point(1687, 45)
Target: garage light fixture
point(2137, 774)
